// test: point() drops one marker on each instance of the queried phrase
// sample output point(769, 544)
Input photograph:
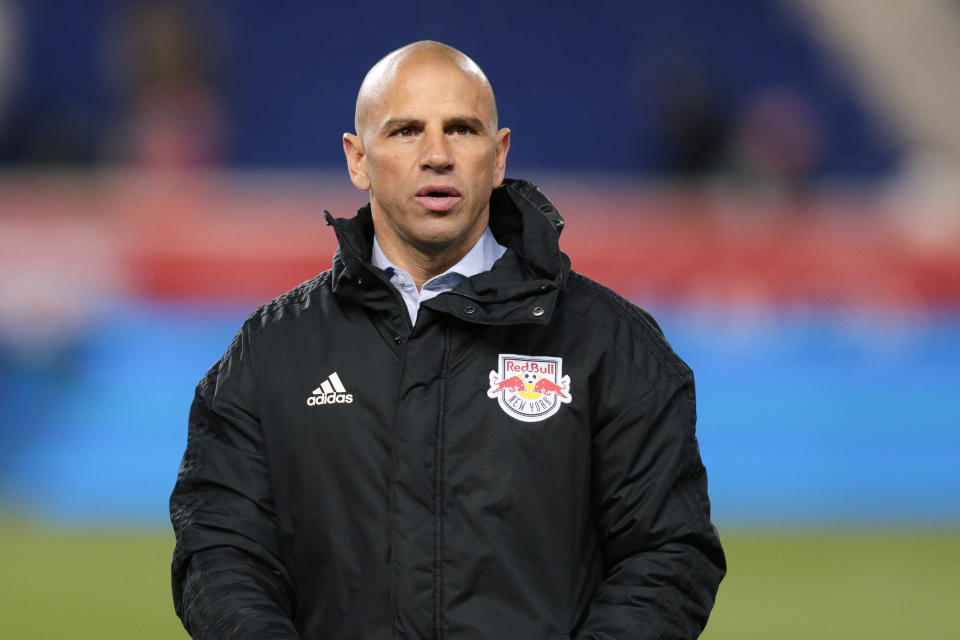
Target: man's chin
point(437, 241)
point(433, 245)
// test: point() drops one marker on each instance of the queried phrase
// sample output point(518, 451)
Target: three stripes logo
point(330, 391)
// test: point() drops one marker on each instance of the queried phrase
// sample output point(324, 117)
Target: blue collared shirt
point(480, 258)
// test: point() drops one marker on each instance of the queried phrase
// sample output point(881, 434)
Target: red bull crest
point(529, 388)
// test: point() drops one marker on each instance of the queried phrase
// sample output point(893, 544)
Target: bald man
point(450, 433)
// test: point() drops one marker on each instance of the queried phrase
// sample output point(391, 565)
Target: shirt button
point(358, 282)
point(396, 338)
point(469, 309)
point(538, 311)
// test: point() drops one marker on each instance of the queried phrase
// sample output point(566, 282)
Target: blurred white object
point(58, 268)
point(904, 56)
point(925, 197)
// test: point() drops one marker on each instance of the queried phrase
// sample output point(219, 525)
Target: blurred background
point(778, 181)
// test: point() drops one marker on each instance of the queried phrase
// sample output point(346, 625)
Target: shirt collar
point(481, 257)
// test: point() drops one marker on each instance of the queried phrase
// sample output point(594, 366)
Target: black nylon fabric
point(423, 508)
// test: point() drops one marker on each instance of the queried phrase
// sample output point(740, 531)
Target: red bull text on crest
point(529, 388)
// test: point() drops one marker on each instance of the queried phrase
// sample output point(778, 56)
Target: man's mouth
point(438, 197)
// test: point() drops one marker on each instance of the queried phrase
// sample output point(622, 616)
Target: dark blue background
point(577, 82)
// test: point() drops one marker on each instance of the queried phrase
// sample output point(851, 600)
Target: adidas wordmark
point(330, 391)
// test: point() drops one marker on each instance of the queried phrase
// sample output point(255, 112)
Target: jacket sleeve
point(228, 579)
point(661, 555)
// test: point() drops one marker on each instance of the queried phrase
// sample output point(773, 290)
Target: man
point(449, 434)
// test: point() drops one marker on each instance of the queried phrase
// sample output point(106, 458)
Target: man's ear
point(503, 146)
point(356, 161)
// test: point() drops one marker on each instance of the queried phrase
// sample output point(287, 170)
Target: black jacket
point(350, 477)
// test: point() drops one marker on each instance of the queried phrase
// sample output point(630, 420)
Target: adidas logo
point(330, 391)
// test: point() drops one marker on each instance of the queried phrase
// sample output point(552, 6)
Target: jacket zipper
point(438, 493)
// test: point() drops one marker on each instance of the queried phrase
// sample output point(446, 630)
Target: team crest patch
point(529, 388)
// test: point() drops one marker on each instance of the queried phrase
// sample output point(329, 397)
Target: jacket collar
point(522, 287)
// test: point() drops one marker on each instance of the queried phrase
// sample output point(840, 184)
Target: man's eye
point(462, 130)
point(405, 131)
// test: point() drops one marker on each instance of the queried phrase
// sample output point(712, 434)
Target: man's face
point(430, 156)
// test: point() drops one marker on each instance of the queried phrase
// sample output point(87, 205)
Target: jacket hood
point(521, 287)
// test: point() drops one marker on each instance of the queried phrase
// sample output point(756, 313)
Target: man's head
point(427, 148)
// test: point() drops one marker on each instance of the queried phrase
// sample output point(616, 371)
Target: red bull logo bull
point(529, 388)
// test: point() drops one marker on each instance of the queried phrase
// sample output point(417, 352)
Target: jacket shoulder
point(278, 312)
point(634, 330)
point(292, 304)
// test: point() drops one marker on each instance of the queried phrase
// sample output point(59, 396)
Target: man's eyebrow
point(399, 123)
point(471, 121)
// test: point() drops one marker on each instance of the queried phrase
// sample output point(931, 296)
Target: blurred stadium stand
point(165, 167)
point(287, 73)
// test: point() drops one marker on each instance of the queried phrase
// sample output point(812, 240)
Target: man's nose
point(436, 151)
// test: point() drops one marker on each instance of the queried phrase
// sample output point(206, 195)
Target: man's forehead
point(398, 74)
point(420, 56)
point(405, 106)
point(436, 81)
point(415, 72)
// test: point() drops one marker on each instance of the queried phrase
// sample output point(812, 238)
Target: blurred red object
point(222, 237)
